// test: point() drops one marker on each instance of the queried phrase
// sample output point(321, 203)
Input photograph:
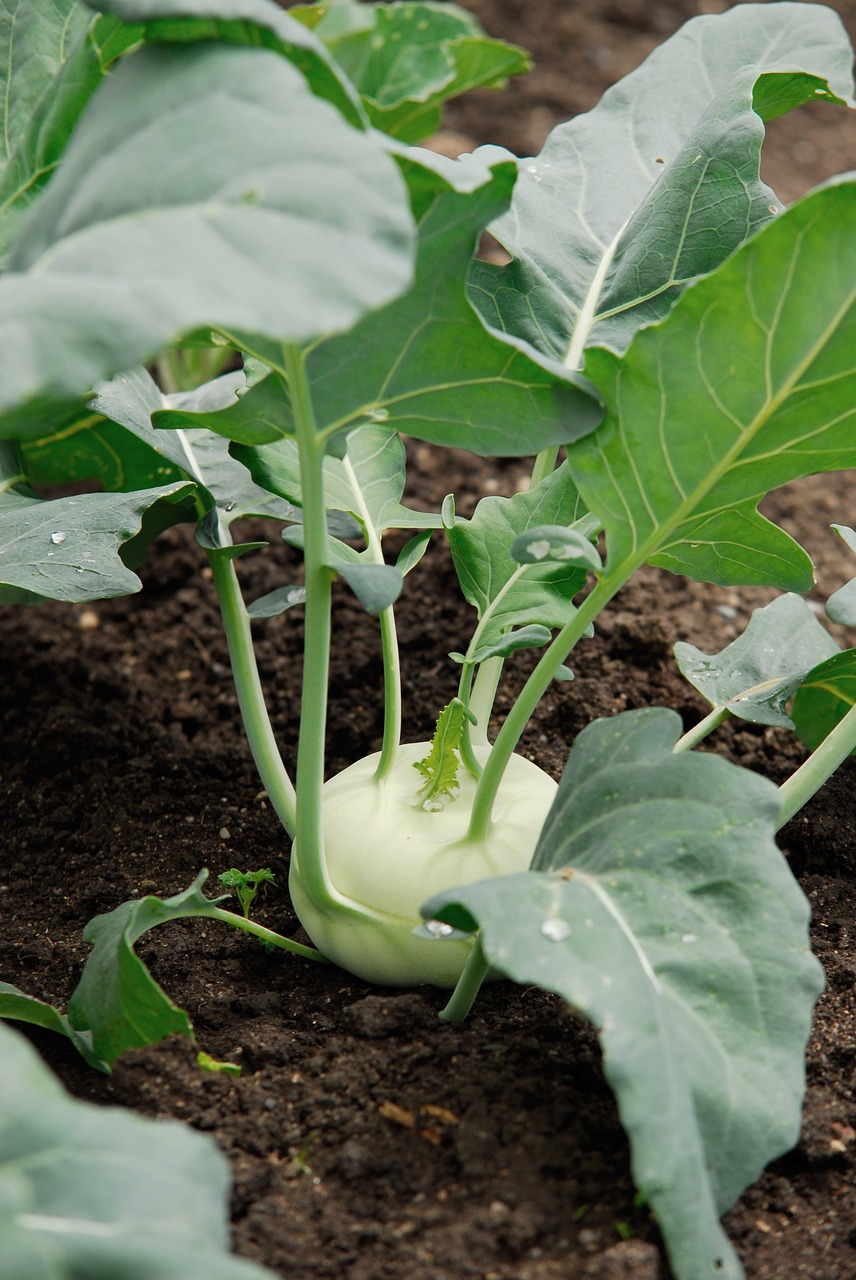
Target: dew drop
point(57, 537)
point(438, 928)
point(230, 506)
point(689, 937)
point(556, 930)
point(79, 569)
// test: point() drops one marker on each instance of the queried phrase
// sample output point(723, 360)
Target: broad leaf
point(426, 364)
point(755, 676)
point(19, 1006)
point(824, 697)
point(133, 400)
point(407, 59)
point(117, 1000)
point(748, 384)
point(119, 257)
point(504, 592)
point(375, 584)
point(276, 602)
point(99, 1192)
point(367, 482)
point(76, 548)
point(660, 906)
point(841, 605)
point(251, 23)
point(660, 182)
point(54, 55)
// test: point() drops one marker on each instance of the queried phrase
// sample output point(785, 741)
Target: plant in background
point(663, 319)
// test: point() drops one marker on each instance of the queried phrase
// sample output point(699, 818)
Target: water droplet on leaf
point(556, 930)
point(57, 537)
point(438, 928)
point(689, 937)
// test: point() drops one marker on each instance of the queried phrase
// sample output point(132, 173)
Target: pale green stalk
point(483, 696)
point(251, 700)
point(266, 935)
point(474, 973)
point(699, 732)
point(388, 638)
point(317, 630)
point(821, 764)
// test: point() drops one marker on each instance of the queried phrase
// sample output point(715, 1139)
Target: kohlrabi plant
point(233, 284)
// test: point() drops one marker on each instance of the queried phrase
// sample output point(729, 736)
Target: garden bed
point(366, 1139)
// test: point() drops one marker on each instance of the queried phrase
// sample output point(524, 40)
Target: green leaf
point(276, 602)
point(54, 55)
point(440, 767)
point(841, 605)
point(555, 543)
point(531, 637)
point(504, 592)
point(747, 385)
point(134, 401)
point(660, 906)
point(249, 23)
point(69, 548)
point(660, 182)
point(252, 414)
point(825, 696)
point(23, 1008)
point(92, 1192)
point(117, 1000)
point(412, 552)
point(407, 59)
point(120, 257)
point(756, 675)
point(426, 363)
point(376, 586)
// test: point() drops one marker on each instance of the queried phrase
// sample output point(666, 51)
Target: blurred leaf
point(19, 1006)
point(119, 257)
point(96, 1192)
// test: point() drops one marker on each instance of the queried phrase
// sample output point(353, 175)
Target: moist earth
point(366, 1138)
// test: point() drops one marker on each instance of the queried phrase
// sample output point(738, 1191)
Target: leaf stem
point(468, 986)
point(266, 935)
point(317, 632)
point(700, 731)
point(483, 696)
point(820, 766)
point(251, 699)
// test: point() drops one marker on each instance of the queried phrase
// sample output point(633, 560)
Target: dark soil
point(367, 1139)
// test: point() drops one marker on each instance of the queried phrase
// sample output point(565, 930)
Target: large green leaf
point(660, 182)
point(748, 384)
point(825, 697)
point(53, 56)
point(204, 186)
point(97, 1193)
point(755, 676)
point(505, 592)
point(69, 548)
point(252, 23)
point(407, 59)
point(660, 906)
point(426, 363)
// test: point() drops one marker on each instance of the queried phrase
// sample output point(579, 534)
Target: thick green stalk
point(316, 660)
point(251, 700)
point(266, 935)
point(821, 764)
point(483, 696)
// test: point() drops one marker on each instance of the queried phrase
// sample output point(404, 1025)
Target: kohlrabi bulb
point(387, 855)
